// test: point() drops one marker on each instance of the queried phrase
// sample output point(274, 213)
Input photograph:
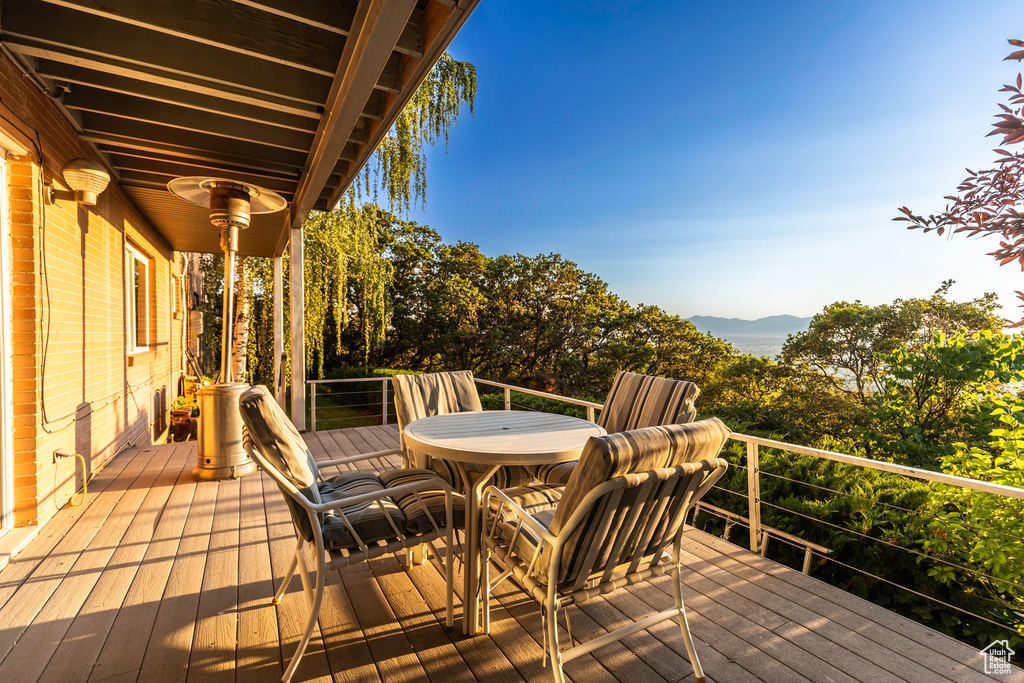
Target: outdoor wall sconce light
point(86, 179)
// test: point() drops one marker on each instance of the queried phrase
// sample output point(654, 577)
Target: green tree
point(978, 536)
point(941, 394)
point(848, 342)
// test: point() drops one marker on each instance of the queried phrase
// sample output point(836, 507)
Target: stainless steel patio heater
point(231, 203)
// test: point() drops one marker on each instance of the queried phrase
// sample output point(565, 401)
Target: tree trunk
point(240, 334)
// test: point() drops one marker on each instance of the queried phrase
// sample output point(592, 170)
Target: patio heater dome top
point(231, 203)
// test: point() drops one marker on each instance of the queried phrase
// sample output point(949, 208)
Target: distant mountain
point(773, 325)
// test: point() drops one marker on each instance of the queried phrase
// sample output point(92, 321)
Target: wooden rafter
point(375, 32)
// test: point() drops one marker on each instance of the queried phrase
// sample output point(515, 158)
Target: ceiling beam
point(337, 17)
point(111, 143)
point(329, 16)
point(226, 25)
point(60, 30)
point(411, 42)
point(375, 30)
point(72, 76)
point(390, 79)
point(171, 169)
point(154, 75)
point(174, 116)
point(141, 130)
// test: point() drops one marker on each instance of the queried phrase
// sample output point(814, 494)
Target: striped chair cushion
point(372, 520)
point(417, 518)
point(534, 498)
point(507, 476)
point(441, 393)
point(540, 501)
point(438, 393)
point(637, 401)
point(269, 430)
point(615, 455)
point(634, 401)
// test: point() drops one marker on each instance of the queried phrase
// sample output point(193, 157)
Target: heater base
point(221, 454)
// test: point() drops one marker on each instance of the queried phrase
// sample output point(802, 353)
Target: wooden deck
point(160, 578)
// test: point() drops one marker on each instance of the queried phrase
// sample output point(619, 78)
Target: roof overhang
point(291, 95)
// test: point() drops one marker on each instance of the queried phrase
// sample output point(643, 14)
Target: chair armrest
point(522, 515)
point(377, 495)
point(357, 458)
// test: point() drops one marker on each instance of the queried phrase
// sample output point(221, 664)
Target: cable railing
point(750, 501)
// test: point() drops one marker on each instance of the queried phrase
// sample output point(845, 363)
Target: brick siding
point(69, 314)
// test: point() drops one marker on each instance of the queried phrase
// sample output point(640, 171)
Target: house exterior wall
point(76, 388)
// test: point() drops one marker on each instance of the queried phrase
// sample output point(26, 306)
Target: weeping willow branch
point(342, 257)
point(344, 268)
point(398, 167)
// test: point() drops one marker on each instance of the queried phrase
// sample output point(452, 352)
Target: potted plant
point(182, 421)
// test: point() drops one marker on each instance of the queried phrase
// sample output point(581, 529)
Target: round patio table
point(494, 438)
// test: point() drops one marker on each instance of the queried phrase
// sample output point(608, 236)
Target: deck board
point(160, 578)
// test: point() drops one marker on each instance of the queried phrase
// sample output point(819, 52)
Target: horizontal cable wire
point(892, 583)
point(889, 505)
point(348, 405)
point(911, 590)
point(891, 545)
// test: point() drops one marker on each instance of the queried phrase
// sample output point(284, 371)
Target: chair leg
point(684, 626)
point(314, 614)
point(449, 576)
point(307, 587)
point(288, 575)
point(551, 626)
point(485, 588)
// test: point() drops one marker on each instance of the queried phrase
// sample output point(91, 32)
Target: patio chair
point(440, 393)
point(621, 510)
point(634, 401)
point(351, 517)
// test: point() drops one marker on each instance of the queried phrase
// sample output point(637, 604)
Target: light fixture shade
point(86, 178)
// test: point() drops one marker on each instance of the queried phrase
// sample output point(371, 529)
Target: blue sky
point(732, 159)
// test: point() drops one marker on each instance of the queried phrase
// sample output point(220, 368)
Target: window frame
point(134, 255)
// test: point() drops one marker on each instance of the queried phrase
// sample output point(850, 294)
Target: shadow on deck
point(160, 578)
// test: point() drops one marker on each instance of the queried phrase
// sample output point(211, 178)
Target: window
point(138, 300)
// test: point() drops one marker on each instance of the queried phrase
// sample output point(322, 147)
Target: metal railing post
point(508, 399)
point(312, 406)
point(384, 402)
point(754, 496)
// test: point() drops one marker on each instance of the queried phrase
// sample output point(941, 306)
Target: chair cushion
point(373, 521)
point(276, 437)
point(268, 431)
point(615, 455)
point(637, 401)
point(534, 498)
point(438, 393)
point(556, 474)
point(539, 500)
point(418, 518)
point(507, 476)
